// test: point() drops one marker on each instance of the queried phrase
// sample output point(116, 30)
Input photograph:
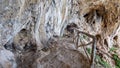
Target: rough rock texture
point(7, 59)
point(27, 29)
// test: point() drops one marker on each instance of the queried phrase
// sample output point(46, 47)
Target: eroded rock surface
point(28, 29)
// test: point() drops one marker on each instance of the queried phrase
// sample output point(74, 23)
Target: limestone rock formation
point(36, 33)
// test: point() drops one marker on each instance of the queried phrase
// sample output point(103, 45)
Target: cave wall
point(43, 19)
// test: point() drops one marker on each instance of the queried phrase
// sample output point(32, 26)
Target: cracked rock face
point(29, 30)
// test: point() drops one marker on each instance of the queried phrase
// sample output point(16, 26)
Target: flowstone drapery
point(32, 27)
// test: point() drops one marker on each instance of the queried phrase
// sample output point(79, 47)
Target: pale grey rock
point(43, 19)
point(7, 59)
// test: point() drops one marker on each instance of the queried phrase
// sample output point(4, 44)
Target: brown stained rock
point(57, 56)
point(63, 58)
point(42, 19)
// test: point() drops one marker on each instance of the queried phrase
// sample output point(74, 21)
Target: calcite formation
point(31, 31)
